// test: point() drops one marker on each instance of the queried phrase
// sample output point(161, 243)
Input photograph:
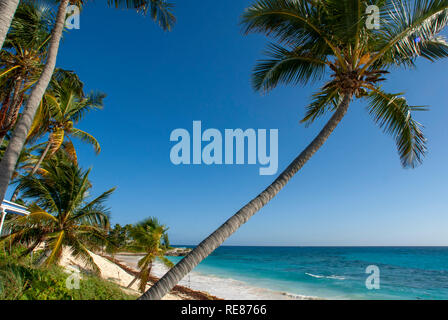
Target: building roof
point(12, 207)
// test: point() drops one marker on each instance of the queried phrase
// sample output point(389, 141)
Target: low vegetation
point(20, 279)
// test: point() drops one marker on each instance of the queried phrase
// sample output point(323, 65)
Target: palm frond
point(435, 49)
point(54, 246)
point(40, 123)
point(37, 215)
point(285, 20)
point(93, 101)
point(79, 250)
point(287, 67)
point(161, 11)
point(98, 200)
point(407, 29)
point(69, 148)
point(393, 114)
point(166, 261)
point(323, 101)
point(56, 139)
point(86, 137)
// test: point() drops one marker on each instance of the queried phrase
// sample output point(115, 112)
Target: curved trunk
point(11, 107)
point(42, 157)
point(20, 132)
point(2, 221)
point(139, 276)
point(17, 100)
point(36, 167)
point(15, 194)
point(7, 10)
point(43, 257)
point(133, 280)
point(180, 270)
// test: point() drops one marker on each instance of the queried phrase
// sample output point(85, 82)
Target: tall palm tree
point(62, 215)
point(316, 37)
point(160, 11)
point(7, 10)
point(63, 106)
point(149, 236)
point(22, 59)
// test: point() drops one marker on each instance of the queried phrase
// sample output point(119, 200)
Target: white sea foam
point(326, 277)
point(226, 288)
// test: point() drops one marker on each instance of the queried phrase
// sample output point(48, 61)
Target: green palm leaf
point(323, 101)
point(406, 30)
point(62, 214)
point(287, 67)
point(393, 115)
point(86, 137)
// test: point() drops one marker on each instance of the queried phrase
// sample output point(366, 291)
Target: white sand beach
point(225, 288)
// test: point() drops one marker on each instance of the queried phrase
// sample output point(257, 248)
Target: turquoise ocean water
point(335, 272)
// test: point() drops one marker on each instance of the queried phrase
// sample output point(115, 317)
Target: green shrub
point(20, 281)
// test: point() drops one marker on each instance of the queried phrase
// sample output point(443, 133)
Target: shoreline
point(185, 292)
point(122, 274)
point(214, 286)
point(121, 269)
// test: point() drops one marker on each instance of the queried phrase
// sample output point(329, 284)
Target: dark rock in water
point(178, 252)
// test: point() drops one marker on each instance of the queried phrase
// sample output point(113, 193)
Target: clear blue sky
point(352, 192)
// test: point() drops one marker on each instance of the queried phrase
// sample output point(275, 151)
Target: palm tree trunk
point(7, 10)
point(36, 167)
point(20, 133)
point(42, 157)
point(133, 280)
point(17, 99)
point(180, 270)
point(15, 194)
point(43, 257)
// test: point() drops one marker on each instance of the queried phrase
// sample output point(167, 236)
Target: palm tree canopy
point(31, 25)
point(149, 236)
point(330, 39)
point(27, 40)
point(63, 106)
point(62, 213)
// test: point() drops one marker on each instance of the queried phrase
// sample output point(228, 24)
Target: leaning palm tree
point(150, 237)
point(316, 37)
point(61, 214)
point(160, 11)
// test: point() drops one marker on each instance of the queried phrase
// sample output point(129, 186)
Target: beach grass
point(20, 280)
